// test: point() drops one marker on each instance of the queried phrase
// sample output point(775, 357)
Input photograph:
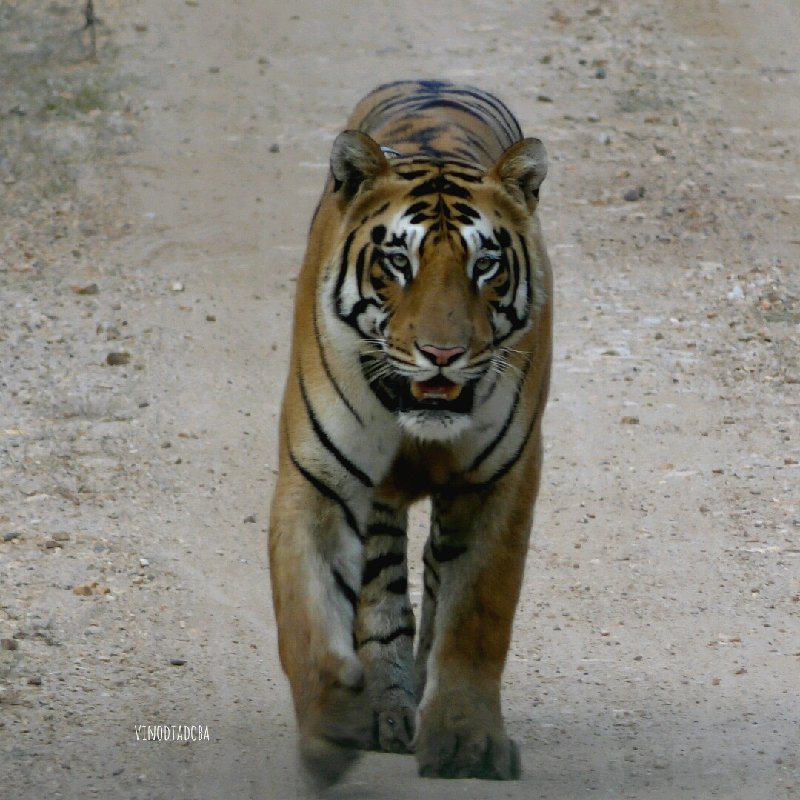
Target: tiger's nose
point(441, 356)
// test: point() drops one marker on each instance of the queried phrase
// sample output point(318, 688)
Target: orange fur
point(425, 241)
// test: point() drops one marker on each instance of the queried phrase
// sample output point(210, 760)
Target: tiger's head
point(438, 273)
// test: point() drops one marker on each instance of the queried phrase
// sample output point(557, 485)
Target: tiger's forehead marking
point(410, 229)
point(401, 232)
point(439, 207)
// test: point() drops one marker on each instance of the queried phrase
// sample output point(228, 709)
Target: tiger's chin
point(439, 425)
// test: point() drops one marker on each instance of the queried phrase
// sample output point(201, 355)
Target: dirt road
point(155, 208)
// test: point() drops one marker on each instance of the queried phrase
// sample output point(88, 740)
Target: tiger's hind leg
point(385, 629)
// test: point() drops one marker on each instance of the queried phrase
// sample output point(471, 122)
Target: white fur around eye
point(484, 267)
point(398, 265)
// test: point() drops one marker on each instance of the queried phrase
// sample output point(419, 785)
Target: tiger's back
point(420, 366)
point(437, 120)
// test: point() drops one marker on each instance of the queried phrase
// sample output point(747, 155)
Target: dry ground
point(154, 203)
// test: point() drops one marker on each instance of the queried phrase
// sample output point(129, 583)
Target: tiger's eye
point(483, 265)
point(399, 261)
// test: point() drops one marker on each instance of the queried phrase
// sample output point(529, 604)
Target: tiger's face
point(438, 278)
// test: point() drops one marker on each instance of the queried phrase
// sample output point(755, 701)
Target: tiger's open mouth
point(436, 394)
point(400, 394)
point(438, 388)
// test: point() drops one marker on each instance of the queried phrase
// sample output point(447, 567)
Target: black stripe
point(361, 260)
point(346, 589)
point(457, 105)
point(376, 565)
point(382, 529)
point(415, 208)
point(384, 508)
point(411, 175)
point(431, 569)
point(326, 491)
point(466, 210)
point(399, 586)
point(329, 374)
point(501, 114)
point(477, 487)
point(516, 274)
point(443, 553)
point(405, 630)
point(343, 271)
point(377, 212)
point(484, 454)
point(440, 184)
point(402, 686)
point(502, 288)
point(326, 440)
point(465, 176)
point(529, 288)
point(358, 309)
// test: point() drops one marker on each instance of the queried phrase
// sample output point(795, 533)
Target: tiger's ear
point(355, 160)
point(522, 168)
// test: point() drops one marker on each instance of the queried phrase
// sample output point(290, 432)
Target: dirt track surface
point(155, 204)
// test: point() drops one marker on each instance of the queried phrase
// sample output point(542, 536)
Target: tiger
point(419, 368)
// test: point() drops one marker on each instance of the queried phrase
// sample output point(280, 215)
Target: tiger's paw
point(332, 736)
point(394, 727)
point(448, 746)
point(325, 760)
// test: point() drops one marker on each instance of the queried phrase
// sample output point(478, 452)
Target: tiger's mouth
point(399, 394)
point(438, 388)
point(436, 394)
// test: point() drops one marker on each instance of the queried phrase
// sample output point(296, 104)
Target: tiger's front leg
point(315, 548)
point(474, 565)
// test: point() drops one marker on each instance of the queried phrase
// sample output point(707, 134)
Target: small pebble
point(9, 644)
point(177, 662)
point(275, 148)
point(632, 195)
point(118, 359)
point(89, 289)
point(35, 680)
point(251, 519)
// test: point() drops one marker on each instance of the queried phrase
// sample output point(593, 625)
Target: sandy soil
point(153, 207)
